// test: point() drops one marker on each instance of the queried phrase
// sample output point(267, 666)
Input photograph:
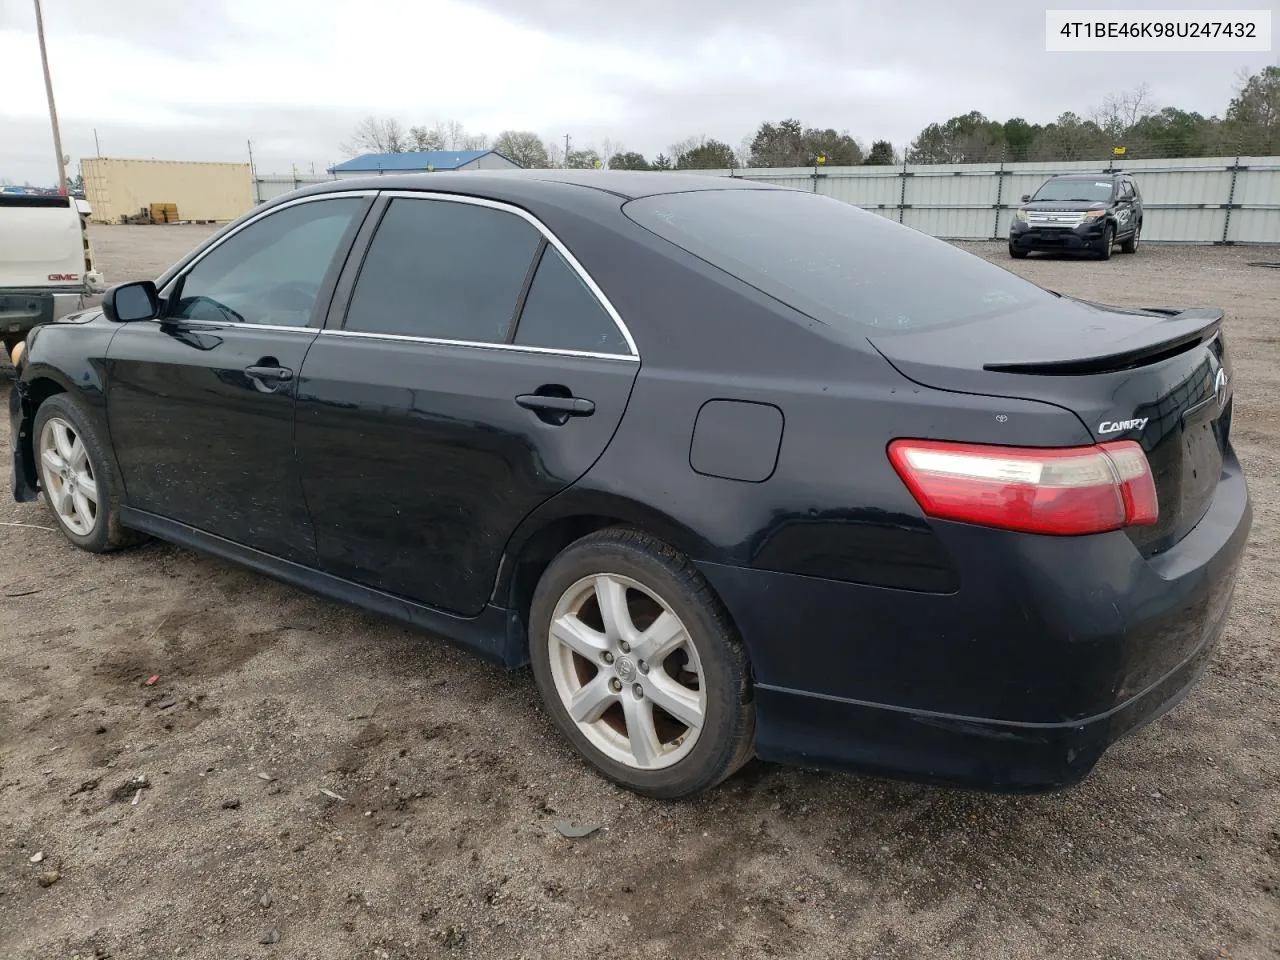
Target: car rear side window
point(834, 262)
point(561, 312)
point(444, 270)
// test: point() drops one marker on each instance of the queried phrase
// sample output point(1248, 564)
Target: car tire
point(1131, 245)
point(81, 489)
point(613, 595)
point(1016, 253)
point(1107, 242)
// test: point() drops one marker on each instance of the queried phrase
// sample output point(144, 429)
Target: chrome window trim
point(235, 325)
point(483, 345)
point(189, 266)
point(554, 241)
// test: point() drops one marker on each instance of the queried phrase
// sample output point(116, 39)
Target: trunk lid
point(1160, 376)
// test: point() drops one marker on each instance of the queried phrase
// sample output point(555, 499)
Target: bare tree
point(1120, 111)
point(452, 131)
point(609, 147)
point(555, 155)
point(681, 147)
point(524, 147)
point(475, 141)
point(377, 135)
point(423, 138)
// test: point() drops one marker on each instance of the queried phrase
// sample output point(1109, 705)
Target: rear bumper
point(22, 310)
point(1051, 650)
point(822, 731)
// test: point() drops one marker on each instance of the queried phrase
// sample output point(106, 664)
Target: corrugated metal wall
point(203, 191)
point(1199, 200)
point(270, 186)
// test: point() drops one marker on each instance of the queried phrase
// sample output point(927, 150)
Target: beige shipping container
point(202, 191)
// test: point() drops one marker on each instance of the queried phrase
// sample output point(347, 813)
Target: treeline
point(1250, 125)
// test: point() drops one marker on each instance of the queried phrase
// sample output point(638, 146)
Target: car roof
point(1090, 176)
point(530, 184)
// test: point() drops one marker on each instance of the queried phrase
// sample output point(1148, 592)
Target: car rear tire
point(1131, 245)
point(1107, 242)
point(1016, 253)
point(639, 665)
point(80, 487)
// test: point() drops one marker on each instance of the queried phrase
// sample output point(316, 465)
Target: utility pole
point(53, 113)
point(566, 151)
point(253, 175)
point(97, 150)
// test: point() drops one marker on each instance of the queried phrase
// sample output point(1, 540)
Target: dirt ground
point(186, 818)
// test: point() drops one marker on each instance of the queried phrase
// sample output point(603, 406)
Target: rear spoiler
point(1182, 330)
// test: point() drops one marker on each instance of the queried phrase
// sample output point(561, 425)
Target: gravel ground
point(187, 818)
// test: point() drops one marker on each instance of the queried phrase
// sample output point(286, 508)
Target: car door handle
point(269, 373)
point(569, 406)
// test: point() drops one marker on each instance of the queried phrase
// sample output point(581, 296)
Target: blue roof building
point(424, 161)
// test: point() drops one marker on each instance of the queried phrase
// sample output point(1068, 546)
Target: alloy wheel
point(68, 477)
point(627, 671)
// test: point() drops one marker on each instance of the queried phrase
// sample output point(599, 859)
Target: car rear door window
point(560, 312)
point(270, 271)
point(443, 269)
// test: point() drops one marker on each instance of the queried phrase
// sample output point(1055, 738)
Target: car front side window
point(270, 272)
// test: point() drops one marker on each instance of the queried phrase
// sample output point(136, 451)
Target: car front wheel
point(75, 475)
point(639, 665)
point(1107, 242)
point(1131, 245)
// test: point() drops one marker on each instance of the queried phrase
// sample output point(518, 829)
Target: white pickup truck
point(46, 263)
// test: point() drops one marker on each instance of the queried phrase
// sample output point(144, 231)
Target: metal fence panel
point(1187, 200)
point(269, 186)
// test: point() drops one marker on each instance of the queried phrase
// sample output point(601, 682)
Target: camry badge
point(1115, 426)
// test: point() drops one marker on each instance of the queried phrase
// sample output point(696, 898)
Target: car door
point(1136, 202)
point(200, 402)
point(1125, 211)
point(473, 372)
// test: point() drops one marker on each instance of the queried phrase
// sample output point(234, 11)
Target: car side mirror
point(1026, 197)
point(128, 302)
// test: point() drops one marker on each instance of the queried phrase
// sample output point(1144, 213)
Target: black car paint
point(878, 639)
point(1122, 215)
point(417, 465)
point(1186, 420)
point(178, 394)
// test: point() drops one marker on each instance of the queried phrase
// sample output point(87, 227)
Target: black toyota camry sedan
point(737, 470)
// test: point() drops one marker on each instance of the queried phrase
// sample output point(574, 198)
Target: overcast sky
point(181, 79)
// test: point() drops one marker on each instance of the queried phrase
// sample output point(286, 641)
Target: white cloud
point(176, 79)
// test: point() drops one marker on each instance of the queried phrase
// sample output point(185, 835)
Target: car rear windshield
point(846, 267)
point(1085, 191)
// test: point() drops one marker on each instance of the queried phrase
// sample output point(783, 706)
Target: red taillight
point(1063, 491)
